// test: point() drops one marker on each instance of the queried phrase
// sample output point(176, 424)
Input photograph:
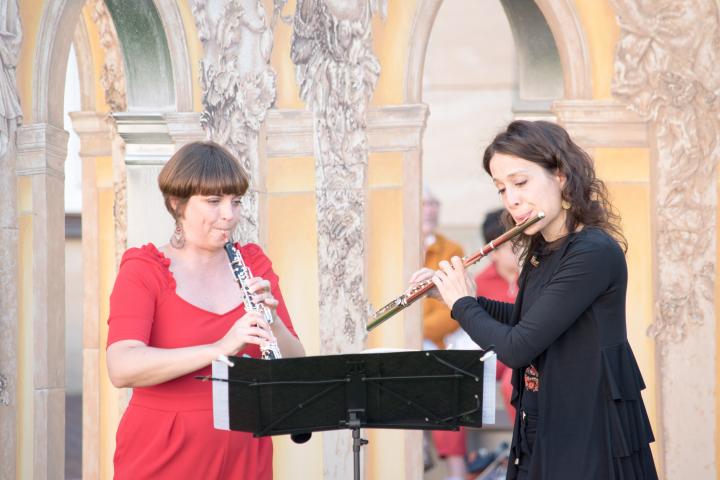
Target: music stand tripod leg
point(358, 442)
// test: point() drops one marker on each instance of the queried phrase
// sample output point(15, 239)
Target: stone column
point(238, 88)
point(666, 71)
point(9, 119)
point(337, 72)
point(95, 133)
point(42, 150)
point(8, 312)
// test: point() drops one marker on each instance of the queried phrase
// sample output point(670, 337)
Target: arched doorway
point(42, 144)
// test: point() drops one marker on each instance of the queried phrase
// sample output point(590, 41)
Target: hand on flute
point(421, 276)
point(453, 282)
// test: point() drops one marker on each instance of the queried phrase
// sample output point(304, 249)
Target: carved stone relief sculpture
point(238, 84)
point(112, 80)
point(337, 72)
point(10, 38)
point(666, 70)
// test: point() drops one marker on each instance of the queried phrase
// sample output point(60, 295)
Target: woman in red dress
point(176, 308)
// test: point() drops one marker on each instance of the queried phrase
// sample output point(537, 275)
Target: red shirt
point(491, 285)
point(167, 430)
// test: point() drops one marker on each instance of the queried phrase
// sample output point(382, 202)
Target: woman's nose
point(226, 209)
point(512, 197)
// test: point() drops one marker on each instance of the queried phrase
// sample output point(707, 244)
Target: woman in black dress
point(576, 384)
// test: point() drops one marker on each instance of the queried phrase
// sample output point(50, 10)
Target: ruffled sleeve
point(143, 275)
point(261, 266)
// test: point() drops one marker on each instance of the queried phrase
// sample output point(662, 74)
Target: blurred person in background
point(437, 325)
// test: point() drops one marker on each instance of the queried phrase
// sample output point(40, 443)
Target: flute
point(242, 274)
point(416, 292)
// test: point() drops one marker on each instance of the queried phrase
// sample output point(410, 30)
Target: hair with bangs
point(549, 145)
point(200, 168)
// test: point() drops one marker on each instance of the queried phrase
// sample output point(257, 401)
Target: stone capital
point(389, 129)
point(184, 127)
point(601, 123)
point(94, 131)
point(42, 149)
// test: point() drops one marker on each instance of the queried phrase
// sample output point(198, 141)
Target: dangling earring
point(565, 204)
point(177, 240)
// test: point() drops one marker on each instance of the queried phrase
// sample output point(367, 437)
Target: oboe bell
point(419, 290)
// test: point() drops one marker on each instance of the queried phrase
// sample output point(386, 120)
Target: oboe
point(242, 274)
point(416, 292)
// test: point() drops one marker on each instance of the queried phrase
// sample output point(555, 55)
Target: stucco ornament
point(10, 39)
point(666, 70)
point(337, 72)
point(238, 84)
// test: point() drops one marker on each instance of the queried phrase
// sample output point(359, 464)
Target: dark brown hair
point(549, 145)
point(201, 168)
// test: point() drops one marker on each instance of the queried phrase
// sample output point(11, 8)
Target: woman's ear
point(174, 204)
point(561, 178)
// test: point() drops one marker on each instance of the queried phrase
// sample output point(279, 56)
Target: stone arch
point(56, 30)
point(86, 68)
point(176, 37)
point(566, 28)
point(148, 67)
point(170, 90)
point(570, 43)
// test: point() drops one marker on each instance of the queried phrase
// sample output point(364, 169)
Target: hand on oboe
point(262, 293)
point(452, 281)
point(251, 328)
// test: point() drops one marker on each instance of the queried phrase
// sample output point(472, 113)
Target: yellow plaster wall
point(602, 33)
point(98, 58)
point(626, 172)
point(385, 450)
point(109, 396)
point(195, 52)
point(390, 45)
point(391, 39)
point(288, 94)
point(292, 246)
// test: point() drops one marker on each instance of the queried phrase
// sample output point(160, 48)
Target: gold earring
point(565, 205)
point(177, 240)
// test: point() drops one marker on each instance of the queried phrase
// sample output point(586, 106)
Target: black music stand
point(428, 390)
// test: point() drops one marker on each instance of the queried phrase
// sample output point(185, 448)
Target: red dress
point(167, 430)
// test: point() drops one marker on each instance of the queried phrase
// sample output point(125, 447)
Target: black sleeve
point(500, 311)
point(585, 272)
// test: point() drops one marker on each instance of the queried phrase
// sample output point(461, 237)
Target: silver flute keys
point(269, 351)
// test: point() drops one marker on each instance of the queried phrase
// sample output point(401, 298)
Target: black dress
point(568, 323)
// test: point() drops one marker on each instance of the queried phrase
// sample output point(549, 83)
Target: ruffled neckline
point(152, 251)
point(159, 256)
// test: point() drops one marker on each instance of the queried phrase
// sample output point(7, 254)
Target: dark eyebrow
point(514, 174)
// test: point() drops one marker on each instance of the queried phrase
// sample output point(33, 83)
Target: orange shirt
point(436, 316)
